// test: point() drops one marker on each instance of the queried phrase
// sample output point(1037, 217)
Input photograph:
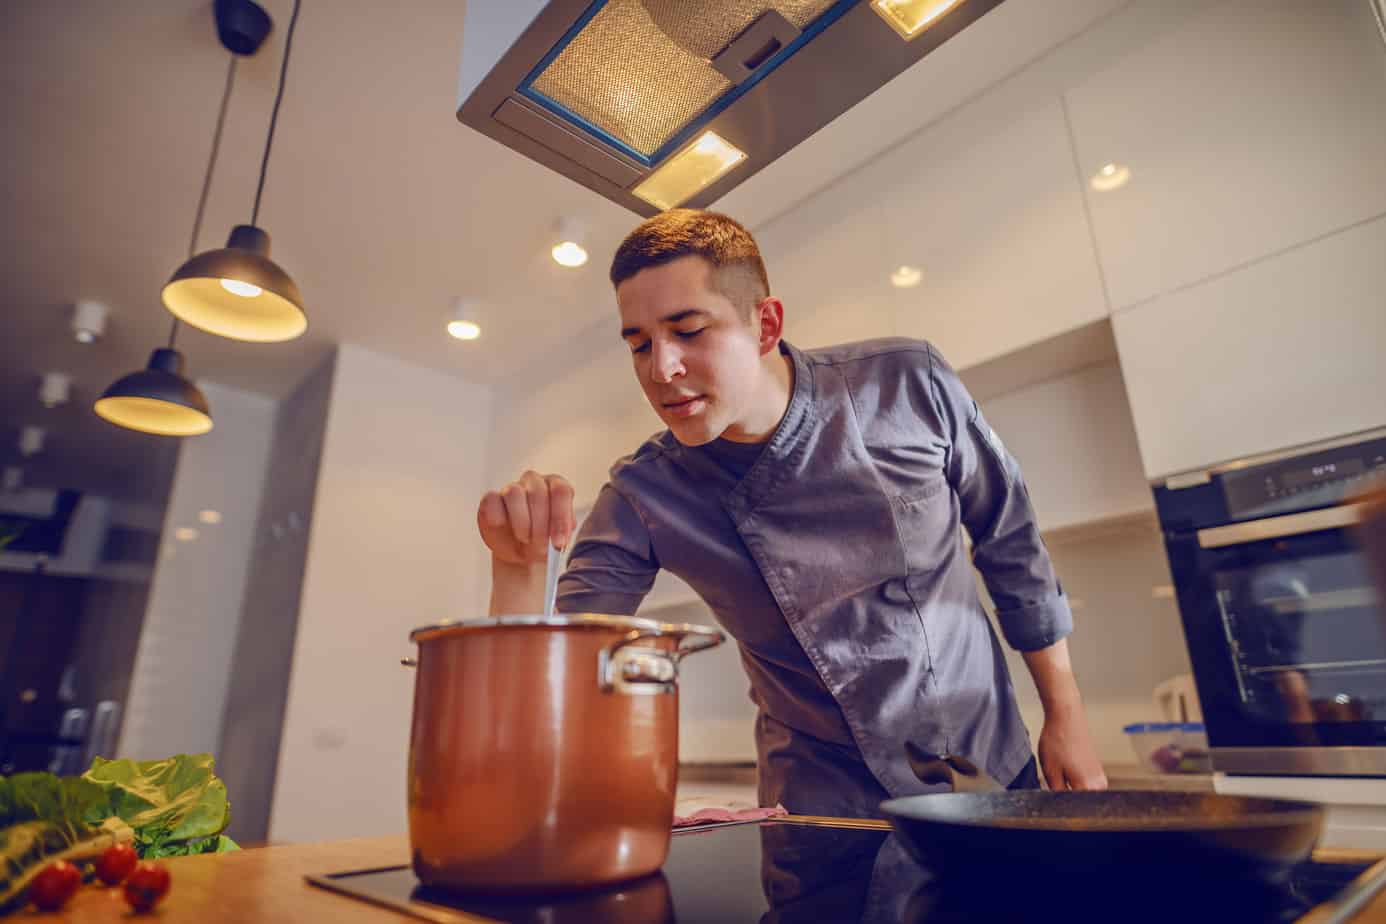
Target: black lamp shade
point(238, 292)
point(157, 399)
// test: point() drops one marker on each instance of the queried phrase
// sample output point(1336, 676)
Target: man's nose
point(667, 362)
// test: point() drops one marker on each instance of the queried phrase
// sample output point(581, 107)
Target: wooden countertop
point(266, 885)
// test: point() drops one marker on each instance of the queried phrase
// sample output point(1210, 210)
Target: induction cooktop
point(786, 872)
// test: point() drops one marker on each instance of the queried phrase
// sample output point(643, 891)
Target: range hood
point(663, 103)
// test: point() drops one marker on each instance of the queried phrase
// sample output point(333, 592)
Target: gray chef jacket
point(834, 559)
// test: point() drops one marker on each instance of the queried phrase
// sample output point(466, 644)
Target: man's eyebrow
point(674, 318)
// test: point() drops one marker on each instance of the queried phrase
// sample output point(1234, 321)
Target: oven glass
point(1304, 637)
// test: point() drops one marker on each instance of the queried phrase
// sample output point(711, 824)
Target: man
point(812, 499)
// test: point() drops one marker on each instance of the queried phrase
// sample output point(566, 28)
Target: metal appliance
point(1284, 626)
point(663, 103)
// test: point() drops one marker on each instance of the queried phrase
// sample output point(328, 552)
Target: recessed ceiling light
point(463, 324)
point(569, 253)
point(464, 330)
point(1111, 176)
point(210, 517)
point(185, 534)
point(906, 277)
point(570, 249)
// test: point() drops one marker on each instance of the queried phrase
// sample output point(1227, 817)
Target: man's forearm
point(516, 589)
point(1052, 672)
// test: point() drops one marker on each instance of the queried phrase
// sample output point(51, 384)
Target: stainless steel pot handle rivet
point(625, 669)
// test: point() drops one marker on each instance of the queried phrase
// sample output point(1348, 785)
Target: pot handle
point(409, 662)
point(959, 773)
point(625, 669)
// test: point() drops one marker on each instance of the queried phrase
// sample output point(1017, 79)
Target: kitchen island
point(822, 873)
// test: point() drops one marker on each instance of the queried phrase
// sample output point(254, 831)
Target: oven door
point(1288, 644)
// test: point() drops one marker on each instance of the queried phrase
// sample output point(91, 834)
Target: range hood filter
point(613, 93)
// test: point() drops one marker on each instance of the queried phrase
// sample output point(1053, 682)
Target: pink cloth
point(710, 816)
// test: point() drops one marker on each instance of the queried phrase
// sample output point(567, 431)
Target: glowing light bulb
point(243, 289)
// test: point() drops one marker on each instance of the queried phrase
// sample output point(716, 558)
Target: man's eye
point(642, 348)
point(690, 334)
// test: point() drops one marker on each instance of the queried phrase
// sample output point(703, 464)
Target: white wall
point(392, 547)
point(182, 669)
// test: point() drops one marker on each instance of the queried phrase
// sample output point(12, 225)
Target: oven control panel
point(1315, 479)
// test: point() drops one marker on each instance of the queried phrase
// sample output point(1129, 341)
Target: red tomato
point(146, 885)
point(115, 863)
point(54, 885)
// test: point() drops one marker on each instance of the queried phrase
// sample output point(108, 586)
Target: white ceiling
point(379, 203)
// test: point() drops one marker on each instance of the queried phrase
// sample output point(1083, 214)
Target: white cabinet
point(1286, 351)
point(1249, 127)
point(986, 202)
point(1076, 445)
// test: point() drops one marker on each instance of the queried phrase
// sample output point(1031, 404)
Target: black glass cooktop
point(788, 873)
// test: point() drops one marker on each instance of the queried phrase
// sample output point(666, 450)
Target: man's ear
point(770, 320)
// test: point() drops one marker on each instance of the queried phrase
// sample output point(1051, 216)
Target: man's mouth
point(684, 407)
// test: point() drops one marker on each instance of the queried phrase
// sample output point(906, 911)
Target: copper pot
point(544, 750)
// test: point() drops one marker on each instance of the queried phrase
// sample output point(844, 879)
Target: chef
point(812, 498)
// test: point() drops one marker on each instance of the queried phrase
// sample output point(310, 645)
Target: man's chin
point(692, 433)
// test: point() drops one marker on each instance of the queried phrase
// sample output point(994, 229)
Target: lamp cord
point(207, 179)
point(274, 115)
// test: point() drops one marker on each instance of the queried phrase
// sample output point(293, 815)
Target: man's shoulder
point(649, 458)
point(880, 351)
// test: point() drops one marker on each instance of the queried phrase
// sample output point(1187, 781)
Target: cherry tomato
point(54, 885)
point(146, 885)
point(115, 863)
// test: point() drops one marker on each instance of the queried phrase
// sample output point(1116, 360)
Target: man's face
point(696, 354)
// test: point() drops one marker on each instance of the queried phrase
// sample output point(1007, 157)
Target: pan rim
point(1278, 813)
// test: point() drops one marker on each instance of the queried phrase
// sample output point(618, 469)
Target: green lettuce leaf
point(175, 799)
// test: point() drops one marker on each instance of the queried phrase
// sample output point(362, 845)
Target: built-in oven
point(1284, 628)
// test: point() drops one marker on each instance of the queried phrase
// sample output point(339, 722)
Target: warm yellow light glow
point(185, 534)
point(911, 17)
point(686, 173)
point(569, 253)
point(906, 277)
point(243, 289)
point(210, 517)
point(149, 415)
point(1110, 177)
point(464, 330)
point(259, 317)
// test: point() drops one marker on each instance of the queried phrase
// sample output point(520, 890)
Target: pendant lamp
point(238, 291)
point(159, 399)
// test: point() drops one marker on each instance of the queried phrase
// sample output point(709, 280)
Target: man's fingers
point(537, 495)
point(490, 518)
point(560, 510)
point(517, 511)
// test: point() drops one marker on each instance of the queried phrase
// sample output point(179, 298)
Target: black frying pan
point(968, 832)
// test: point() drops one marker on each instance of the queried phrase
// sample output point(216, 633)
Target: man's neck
point(771, 402)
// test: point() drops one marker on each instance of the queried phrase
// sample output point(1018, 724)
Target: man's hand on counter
point(1067, 756)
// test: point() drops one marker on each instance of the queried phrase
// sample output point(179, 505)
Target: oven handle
point(1292, 524)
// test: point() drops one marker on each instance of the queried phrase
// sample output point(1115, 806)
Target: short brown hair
point(738, 272)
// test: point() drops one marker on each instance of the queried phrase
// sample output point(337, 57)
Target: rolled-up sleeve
point(995, 507)
point(612, 565)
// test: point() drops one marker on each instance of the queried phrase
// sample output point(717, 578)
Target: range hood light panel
point(694, 168)
point(911, 17)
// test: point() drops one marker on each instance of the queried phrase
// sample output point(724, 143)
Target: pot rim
point(565, 621)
